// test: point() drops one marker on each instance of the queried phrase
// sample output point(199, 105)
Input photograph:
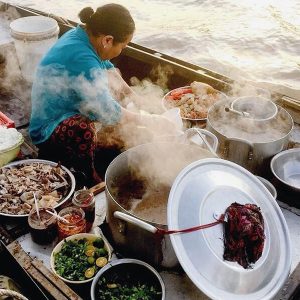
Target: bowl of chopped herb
point(79, 257)
point(127, 279)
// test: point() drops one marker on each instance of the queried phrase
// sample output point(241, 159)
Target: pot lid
point(205, 188)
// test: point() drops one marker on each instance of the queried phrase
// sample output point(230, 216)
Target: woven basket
point(9, 293)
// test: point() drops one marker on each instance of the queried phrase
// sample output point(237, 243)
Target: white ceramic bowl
point(78, 236)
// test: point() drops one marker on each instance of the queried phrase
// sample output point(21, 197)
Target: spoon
point(241, 113)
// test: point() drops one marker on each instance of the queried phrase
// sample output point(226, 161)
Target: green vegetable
point(89, 273)
point(125, 288)
point(91, 260)
point(101, 252)
point(99, 243)
point(71, 262)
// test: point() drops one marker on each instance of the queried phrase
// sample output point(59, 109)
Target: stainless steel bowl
point(286, 168)
point(71, 181)
point(258, 108)
point(189, 122)
point(137, 268)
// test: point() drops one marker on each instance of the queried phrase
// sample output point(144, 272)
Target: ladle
point(203, 138)
point(241, 113)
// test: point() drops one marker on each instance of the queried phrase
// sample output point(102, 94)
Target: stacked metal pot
point(250, 130)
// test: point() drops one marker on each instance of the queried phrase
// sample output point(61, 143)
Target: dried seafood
point(18, 183)
point(194, 100)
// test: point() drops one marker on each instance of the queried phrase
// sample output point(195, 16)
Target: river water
point(257, 40)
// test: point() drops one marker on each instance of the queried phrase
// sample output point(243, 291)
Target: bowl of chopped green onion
point(127, 279)
point(79, 257)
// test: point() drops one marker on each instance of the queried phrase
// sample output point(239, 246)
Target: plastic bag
point(174, 116)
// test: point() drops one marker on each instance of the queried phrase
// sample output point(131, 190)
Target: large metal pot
point(133, 236)
point(249, 143)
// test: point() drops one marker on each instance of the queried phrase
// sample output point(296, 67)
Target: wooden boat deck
point(16, 104)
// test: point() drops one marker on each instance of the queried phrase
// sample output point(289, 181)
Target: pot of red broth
point(138, 183)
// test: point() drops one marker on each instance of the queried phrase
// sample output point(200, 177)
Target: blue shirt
point(71, 79)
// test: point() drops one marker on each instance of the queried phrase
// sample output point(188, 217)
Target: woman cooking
point(77, 89)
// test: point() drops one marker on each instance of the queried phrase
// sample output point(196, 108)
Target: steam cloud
point(160, 164)
point(10, 74)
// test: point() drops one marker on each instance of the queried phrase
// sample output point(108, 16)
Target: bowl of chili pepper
point(128, 279)
point(79, 257)
point(193, 101)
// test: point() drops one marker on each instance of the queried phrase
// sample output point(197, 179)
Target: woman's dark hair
point(110, 19)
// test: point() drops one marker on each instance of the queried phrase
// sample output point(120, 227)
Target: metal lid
point(205, 188)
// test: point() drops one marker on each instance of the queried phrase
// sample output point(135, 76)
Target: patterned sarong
point(73, 143)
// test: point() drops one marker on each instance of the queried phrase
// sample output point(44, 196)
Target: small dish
point(89, 265)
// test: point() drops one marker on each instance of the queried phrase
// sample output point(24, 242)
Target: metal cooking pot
point(253, 152)
point(127, 230)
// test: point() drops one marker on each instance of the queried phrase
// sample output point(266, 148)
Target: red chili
point(87, 200)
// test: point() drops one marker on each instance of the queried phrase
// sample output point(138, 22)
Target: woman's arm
point(120, 90)
point(155, 123)
point(118, 86)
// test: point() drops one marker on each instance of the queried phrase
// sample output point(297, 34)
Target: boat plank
point(51, 283)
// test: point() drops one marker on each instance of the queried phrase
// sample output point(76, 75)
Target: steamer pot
point(126, 228)
point(254, 151)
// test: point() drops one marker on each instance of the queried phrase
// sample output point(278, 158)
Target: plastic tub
point(10, 144)
point(33, 37)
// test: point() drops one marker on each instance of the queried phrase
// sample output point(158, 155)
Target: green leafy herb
point(125, 289)
point(72, 261)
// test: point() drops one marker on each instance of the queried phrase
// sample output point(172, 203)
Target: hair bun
point(85, 14)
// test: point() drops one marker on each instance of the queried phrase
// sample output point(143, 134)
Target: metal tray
point(51, 163)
